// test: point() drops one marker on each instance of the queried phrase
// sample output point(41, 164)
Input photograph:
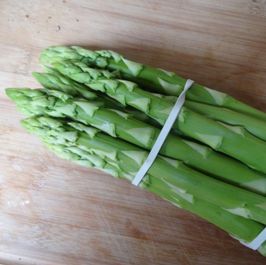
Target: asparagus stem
point(155, 79)
point(55, 81)
point(237, 226)
point(254, 126)
point(241, 228)
point(233, 141)
point(182, 179)
point(121, 125)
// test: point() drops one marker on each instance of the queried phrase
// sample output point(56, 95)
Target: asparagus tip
point(13, 93)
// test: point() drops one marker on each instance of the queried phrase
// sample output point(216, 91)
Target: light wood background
point(53, 212)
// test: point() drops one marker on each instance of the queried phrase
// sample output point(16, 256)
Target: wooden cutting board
point(54, 212)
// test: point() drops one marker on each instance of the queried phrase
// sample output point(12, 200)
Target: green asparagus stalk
point(240, 212)
point(233, 141)
point(56, 81)
point(192, 182)
point(119, 124)
point(88, 144)
point(157, 80)
point(239, 227)
point(214, 163)
point(257, 127)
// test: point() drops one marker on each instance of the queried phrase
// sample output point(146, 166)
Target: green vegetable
point(157, 80)
point(254, 126)
point(119, 124)
point(234, 141)
point(82, 73)
point(226, 196)
point(257, 127)
point(167, 178)
point(93, 112)
point(56, 81)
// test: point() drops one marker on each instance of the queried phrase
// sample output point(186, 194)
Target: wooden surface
point(53, 212)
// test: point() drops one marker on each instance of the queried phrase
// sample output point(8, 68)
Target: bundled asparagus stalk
point(76, 70)
point(89, 147)
point(121, 125)
point(227, 191)
point(56, 81)
point(37, 102)
point(194, 154)
point(155, 79)
point(219, 106)
point(219, 136)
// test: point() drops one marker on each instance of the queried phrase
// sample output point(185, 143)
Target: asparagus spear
point(254, 199)
point(155, 79)
point(234, 171)
point(257, 127)
point(184, 180)
point(119, 124)
point(239, 227)
point(254, 126)
point(233, 141)
point(56, 81)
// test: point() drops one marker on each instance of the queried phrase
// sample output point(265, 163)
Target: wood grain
point(53, 212)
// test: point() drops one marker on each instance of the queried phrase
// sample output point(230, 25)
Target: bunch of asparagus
point(101, 110)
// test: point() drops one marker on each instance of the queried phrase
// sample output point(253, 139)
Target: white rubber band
point(258, 241)
point(163, 134)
